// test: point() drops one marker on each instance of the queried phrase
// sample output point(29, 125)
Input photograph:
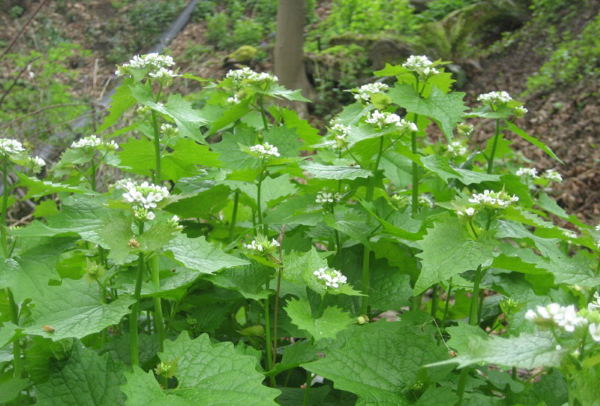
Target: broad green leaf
point(379, 361)
point(137, 156)
point(300, 266)
point(440, 166)
point(532, 140)
point(282, 92)
point(206, 202)
point(122, 100)
point(305, 131)
point(8, 332)
point(389, 288)
point(332, 321)
point(11, 388)
point(40, 188)
point(286, 140)
point(227, 116)
point(440, 396)
point(201, 256)
point(230, 152)
point(116, 235)
point(295, 396)
point(460, 336)
point(448, 250)
point(187, 119)
point(28, 273)
point(249, 280)
point(84, 379)
point(119, 348)
point(74, 309)
point(294, 355)
point(273, 190)
point(445, 109)
point(321, 171)
point(207, 374)
point(525, 351)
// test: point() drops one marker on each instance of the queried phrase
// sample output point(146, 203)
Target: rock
point(387, 50)
point(419, 5)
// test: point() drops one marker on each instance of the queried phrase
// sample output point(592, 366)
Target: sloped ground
point(567, 119)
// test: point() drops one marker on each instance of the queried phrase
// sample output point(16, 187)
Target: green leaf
point(230, 152)
point(11, 388)
point(122, 100)
point(207, 201)
point(440, 396)
point(445, 109)
point(525, 351)
point(116, 236)
point(74, 309)
point(379, 361)
point(41, 188)
point(273, 190)
point(187, 119)
point(532, 140)
point(282, 92)
point(84, 379)
point(449, 250)
point(440, 166)
point(248, 280)
point(202, 256)
point(28, 273)
point(460, 336)
point(304, 130)
point(137, 156)
point(335, 172)
point(207, 374)
point(389, 288)
point(328, 325)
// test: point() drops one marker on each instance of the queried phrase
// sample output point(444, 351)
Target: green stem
point(496, 136)
point(157, 152)
point(276, 316)
point(338, 245)
point(321, 306)
point(263, 114)
point(258, 204)
point(415, 173)
point(307, 389)
point(14, 315)
point(434, 300)
point(158, 313)
point(3, 229)
point(93, 176)
point(447, 307)
point(236, 201)
point(135, 309)
point(268, 337)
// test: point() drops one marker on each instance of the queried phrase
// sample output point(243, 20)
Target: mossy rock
point(243, 54)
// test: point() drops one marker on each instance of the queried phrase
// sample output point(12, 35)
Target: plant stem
point(366, 249)
point(4, 207)
point(135, 309)
point(236, 201)
point(496, 136)
point(276, 310)
point(268, 336)
point(93, 176)
point(158, 313)
point(263, 114)
point(157, 172)
point(464, 373)
point(307, 389)
point(434, 300)
point(338, 245)
point(258, 204)
point(415, 173)
point(14, 315)
point(447, 307)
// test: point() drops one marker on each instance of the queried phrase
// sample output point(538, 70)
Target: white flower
point(426, 201)
point(363, 93)
point(169, 130)
point(36, 163)
point(143, 197)
point(262, 245)
point(594, 330)
point(496, 200)
point(527, 173)
point(570, 234)
point(154, 62)
point(326, 198)
point(597, 227)
point(495, 98)
point(163, 73)
point(558, 347)
point(381, 120)
point(341, 131)
point(421, 65)
point(88, 142)
point(330, 277)
point(247, 75)
point(563, 317)
point(468, 212)
point(457, 148)
point(10, 147)
point(595, 304)
point(111, 145)
point(552, 175)
point(265, 150)
point(233, 99)
point(520, 111)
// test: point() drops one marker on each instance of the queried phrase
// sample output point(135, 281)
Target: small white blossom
point(465, 129)
point(595, 304)
point(563, 317)
point(169, 130)
point(527, 173)
point(154, 62)
point(143, 197)
point(163, 73)
point(36, 163)
point(233, 99)
point(341, 131)
point(426, 201)
point(552, 175)
point(594, 330)
point(421, 65)
point(10, 147)
point(326, 198)
point(247, 75)
point(381, 120)
point(496, 200)
point(150, 216)
point(143, 110)
point(174, 221)
point(456, 148)
point(111, 145)
point(262, 246)
point(570, 234)
point(558, 347)
point(520, 111)
point(363, 93)
point(468, 212)
point(88, 142)
point(330, 277)
point(495, 98)
point(265, 150)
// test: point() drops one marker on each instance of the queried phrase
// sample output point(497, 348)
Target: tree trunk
point(289, 55)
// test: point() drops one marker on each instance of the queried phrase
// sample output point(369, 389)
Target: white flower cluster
point(169, 130)
point(35, 163)
point(527, 173)
point(262, 247)
point(468, 212)
point(233, 99)
point(555, 315)
point(380, 120)
point(495, 98)
point(426, 201)
point(365, 91)
point(265, 150)
point(156, 63)
point(10, 147)
point(174, 221)
point(249, 76)
point(552, 176)
point(495, 200)
point(594, 304)
point(520, 111)
point(421, 65)
point(465, 129)
point(162, 74)
point(457, 148)
point(570, 234)
point(143, 197)
point(326, 198)
point(341, 131)
point(331, 277)
point(94, 142)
